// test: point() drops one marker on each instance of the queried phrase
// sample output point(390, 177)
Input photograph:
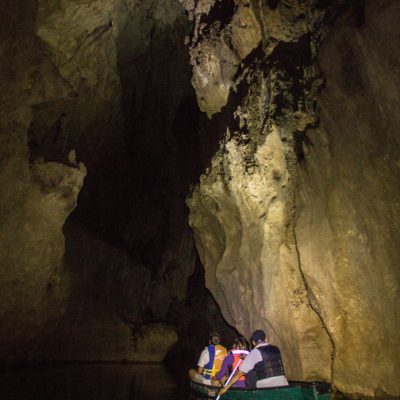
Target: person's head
point(215, 338)
point(257, 337)
point(240, 343)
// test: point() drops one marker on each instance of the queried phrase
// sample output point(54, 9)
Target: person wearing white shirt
point(210, 360)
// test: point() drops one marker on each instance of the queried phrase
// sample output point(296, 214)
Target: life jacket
point(238, 355)
point(271, 365)
point(216, 354)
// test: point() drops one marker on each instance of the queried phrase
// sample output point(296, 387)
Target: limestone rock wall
point(105, 84)
point(242, 211)
point(297, 227)
point(62, 102)
point(36, 197)
point(348, 201)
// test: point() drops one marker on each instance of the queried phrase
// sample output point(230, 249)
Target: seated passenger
point(231, 362)
point(210, 360)
point(263, 366)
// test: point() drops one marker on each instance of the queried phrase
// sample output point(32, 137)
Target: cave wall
point(242, 211)
point(296, 217)
point(97, 90)
point(63, 105)
point(347, 224)
point(36, 197)
point(63, 91)
point(138, 249)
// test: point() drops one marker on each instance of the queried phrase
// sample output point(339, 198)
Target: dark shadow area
point(91, 382)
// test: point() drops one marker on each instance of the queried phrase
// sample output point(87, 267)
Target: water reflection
point(91, 382)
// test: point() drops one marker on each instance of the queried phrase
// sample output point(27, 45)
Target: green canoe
point(295, 391)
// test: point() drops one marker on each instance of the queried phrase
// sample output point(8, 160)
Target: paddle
point(230, 377)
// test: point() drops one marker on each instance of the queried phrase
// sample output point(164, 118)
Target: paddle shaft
point(230, 377)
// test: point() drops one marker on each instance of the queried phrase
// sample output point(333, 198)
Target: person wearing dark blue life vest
point(263, 367)
point(210, 360)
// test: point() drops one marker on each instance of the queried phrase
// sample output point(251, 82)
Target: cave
point(171, 168)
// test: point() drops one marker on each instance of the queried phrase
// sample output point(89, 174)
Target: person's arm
point(234, 379)
point(245, 366)
point(224, 367)
point(228, 360)
point(203, 360)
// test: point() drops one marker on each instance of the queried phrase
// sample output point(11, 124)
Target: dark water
point(93, 382)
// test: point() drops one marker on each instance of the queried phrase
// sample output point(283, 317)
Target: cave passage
point(108, 112)
point(171, 168)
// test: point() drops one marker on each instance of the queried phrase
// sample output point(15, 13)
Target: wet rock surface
point(302, 239)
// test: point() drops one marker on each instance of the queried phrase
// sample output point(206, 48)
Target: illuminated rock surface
point(297, 218)
point(348, 202)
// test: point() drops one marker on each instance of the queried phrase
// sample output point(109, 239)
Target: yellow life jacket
point(216, 357)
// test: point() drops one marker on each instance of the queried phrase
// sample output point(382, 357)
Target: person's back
point(232, 361)
point(269, 367)
point(210, 360)
point(264, 366)
point(217, 354)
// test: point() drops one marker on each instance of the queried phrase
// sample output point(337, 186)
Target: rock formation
point(347, 224)
point(296, 218)
point(104, 83)
point(37, 197)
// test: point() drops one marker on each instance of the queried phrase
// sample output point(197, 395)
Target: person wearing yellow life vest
point(210, 360)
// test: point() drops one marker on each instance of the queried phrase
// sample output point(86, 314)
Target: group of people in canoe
point(261, 367)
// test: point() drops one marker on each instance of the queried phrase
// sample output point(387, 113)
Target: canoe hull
point(295, 391)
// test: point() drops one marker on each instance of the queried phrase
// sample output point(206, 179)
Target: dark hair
point(241, 343)
point(258, 336)
point(215, 338)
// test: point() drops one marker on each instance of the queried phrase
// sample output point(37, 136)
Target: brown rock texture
point(37, 197)
point(242, 211)
point(62, 101)
point(348, 202)
point(106, 83)
point(152, 342)
point(31, 251)
point(218, 49)
point(296, 218)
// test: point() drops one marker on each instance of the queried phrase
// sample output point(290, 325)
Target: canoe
point(295, 391)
